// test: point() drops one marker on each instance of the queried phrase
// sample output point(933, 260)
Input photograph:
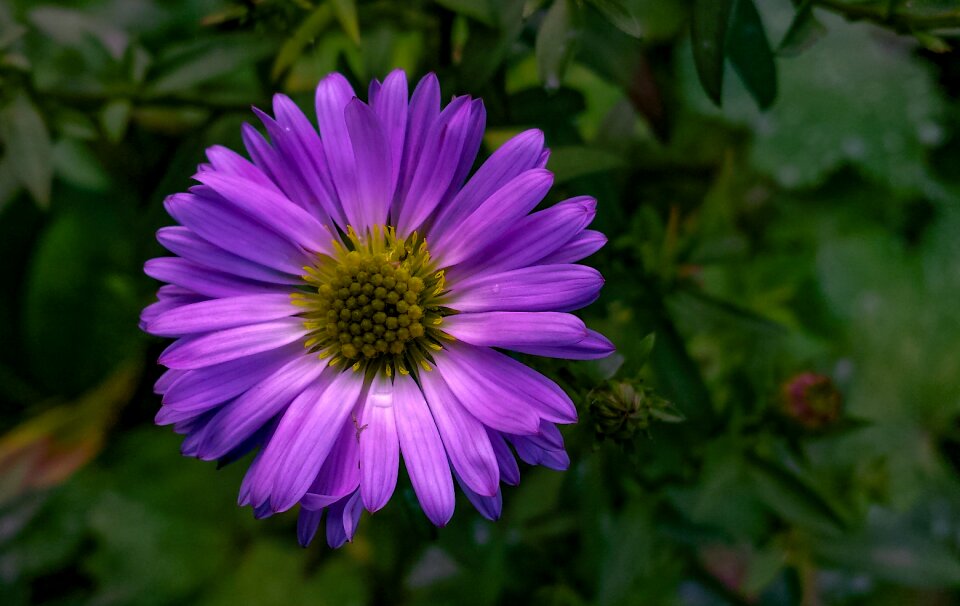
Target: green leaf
point(894, 555)
point(190, 65)
point(804, 31)
point(932, 42)
point(114, 118)
point(850, 100)
point(81, 304)
point(9, 183)
point(346, 12)
point(554, 46)
point(76, 164)
point(620, 16)
point(708, 28)
point(480, 10)
point(574, 161)
point(749, 52)
point(28, 147)
point(790, 497)
point(642, 353)
point(274, 572)
point(308, 31)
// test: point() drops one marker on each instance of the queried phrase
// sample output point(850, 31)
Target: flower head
point(339, 300)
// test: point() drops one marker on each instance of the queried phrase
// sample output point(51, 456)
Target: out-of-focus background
point(788, 434)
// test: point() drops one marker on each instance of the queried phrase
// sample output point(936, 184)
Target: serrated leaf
point(28, 147)
point(620, 16)
point(804, 31)
point(749, 53)
point(554, 47)
point(708, 29)
point(291, 50)
point(346, 12)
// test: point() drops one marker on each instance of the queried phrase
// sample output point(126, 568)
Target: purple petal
point(282, 171)
point(423, 452)
point(463, 436)
point(516, 329)
point(304, 437)
point(205, 281)
point(533, 237)
point(390, 103)
point(468, 153)
point(509, 471)
point(307, 523)
point(342, 520)
point(184, 243)
point(228, 162)
point(301, 145)
point(333, 95)
point(232, 343)
point(440, 159)
point(580, 247)
point(152, 311)
point(592, 347)
point(373, 164)
point(514, 157)
point(167, 380)
point(424, 110)
point(537, 393)
point(218, 314)
point(549, 437)
point(204, 388)
point(484, 394)
point(497, 213)
point(379, 446)
point(221, 224)
point(339, 475)
point(534, 454)
point(242, 417)
point(544, 158)
point(272, 209)
point(537, 288)
point(170, 416)
point(489, 507)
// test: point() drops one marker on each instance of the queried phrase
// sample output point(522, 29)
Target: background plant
point(781, 190)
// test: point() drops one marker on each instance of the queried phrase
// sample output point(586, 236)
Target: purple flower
point(339, 300)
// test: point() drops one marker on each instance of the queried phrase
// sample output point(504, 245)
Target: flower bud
point(622, 409)
point(811, 400)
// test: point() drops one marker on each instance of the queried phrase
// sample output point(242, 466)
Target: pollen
point(376, 304)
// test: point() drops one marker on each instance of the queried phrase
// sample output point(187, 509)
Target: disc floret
point(376, 304)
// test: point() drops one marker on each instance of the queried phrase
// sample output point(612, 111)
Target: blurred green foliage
point(781, 190)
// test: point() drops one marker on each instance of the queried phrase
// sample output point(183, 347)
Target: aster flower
point(340, 300)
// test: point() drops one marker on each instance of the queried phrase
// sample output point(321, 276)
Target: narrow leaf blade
point(708, 29)
point(749, 52)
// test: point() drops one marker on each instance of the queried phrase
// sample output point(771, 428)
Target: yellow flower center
point(377, 304)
